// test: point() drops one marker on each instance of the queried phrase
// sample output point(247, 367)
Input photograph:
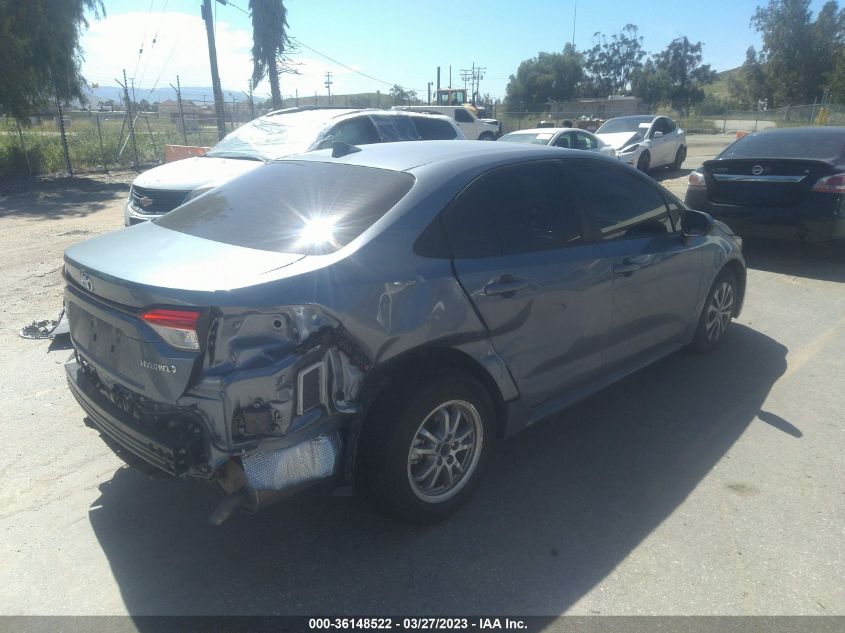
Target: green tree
point(799, 54)
point(270, 42)
point(547, 77)
point(41, 55)
point(684, 73)
point(612, 63)
point(749, 85)
point(402, 96)
point(651, 84)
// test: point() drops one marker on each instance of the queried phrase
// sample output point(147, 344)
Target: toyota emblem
point(757, 170)
point(86, 282)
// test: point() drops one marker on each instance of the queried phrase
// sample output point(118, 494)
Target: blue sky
point(396, 41)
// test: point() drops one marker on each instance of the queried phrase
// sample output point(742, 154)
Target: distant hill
point(206, 94)
point(719, 88)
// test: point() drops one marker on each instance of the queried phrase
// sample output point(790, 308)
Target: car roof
point(408, 155)
point(816, 130)
point(643, 117)
point(549, 130)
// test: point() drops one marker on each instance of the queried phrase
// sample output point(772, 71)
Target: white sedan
point(645, 141)
point(568, 137)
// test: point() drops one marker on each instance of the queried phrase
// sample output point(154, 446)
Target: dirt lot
point(702, 485)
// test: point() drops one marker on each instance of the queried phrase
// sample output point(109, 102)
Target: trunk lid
point(113, 278)
point(762, 182)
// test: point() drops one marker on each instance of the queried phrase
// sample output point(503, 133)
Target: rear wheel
point(425, 451)
point(680, 157)
point(717, 313)
point(644, 162)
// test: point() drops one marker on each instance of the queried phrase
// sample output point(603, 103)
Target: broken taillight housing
point(831, 184)
point(177, 327)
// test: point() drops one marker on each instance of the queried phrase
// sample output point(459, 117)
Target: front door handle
point(507, 287)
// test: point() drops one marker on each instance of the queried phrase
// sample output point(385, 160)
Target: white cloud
point(112, 44)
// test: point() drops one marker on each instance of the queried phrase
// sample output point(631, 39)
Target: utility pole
point(429, 93)
point(574, 18)
point(297, 97)
point(178, 89)
point(251, 102)
point(215, 76)
point(328, 85)
point(438, 77)
point(129, 118)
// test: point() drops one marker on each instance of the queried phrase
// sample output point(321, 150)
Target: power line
point(143, 40)
point(232, 4)
point(331, 59)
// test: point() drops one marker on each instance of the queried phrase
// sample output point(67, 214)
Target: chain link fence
point(727, 123)
point(102, 141)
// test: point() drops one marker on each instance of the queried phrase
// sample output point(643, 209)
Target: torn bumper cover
point(181, 441)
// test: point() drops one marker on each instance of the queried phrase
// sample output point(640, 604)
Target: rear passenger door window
point(431, 129)
point(515, 210)
point(357, 131)
point(623, 206)
point(395, 128)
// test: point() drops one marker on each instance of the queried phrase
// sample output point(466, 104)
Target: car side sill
point(520, 416)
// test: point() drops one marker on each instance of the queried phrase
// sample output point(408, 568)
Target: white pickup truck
point(472, 127)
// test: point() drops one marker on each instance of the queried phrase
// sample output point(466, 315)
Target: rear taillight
point(696, 180)
point(831, 184)
point(177, 327)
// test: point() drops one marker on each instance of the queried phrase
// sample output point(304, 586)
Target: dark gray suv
point(378, 317)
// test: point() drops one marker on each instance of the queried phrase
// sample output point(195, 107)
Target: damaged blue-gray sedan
point(378, 317)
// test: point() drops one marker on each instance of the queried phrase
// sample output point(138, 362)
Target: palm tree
point(269, 43)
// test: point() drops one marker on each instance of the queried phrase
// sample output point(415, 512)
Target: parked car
point(646, 141)
point(787, 183)
point(381, 317)
point(472, 127)
point(278, 134)
point(567, 137)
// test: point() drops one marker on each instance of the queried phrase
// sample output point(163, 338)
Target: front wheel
point(680, 157)
point(427, 448)
point(717, 313)
point(644, 162)
point(487, 136)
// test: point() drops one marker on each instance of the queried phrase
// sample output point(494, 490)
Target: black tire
point(644, 162)
point(487, 136)
point(680, 157)
point(717, 313)
point(388, 463)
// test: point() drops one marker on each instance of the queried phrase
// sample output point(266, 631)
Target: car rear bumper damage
point(180, 441)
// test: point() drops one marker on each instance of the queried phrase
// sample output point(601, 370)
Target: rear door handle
point(629, 265)
point(506, 287)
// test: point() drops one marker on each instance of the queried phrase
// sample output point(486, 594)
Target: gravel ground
point(701, 485)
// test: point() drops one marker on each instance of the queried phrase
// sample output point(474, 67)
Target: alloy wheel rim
point(719, 311)
point(445, 451)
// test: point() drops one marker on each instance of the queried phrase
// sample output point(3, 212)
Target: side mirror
point(695, 223)
point(657, 134)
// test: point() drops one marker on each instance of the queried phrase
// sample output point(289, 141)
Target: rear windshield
point(814, 144)
point(292, 206)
